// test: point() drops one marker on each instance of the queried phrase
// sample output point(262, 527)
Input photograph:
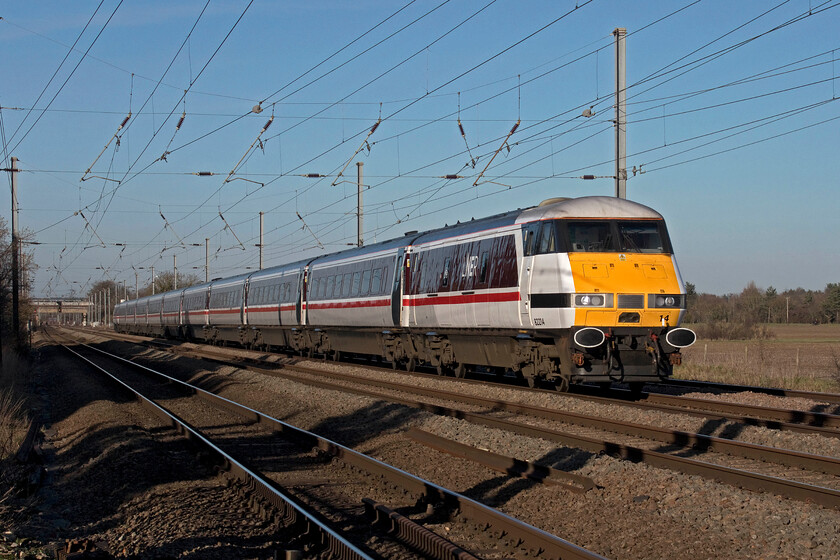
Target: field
point(800, 356)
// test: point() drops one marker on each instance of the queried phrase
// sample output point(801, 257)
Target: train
point(573, 290)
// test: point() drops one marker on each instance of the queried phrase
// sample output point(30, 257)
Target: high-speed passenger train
point(583, 289)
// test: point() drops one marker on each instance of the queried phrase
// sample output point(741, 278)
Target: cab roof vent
point(548, 201)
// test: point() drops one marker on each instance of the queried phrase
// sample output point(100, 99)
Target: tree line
point(753, 307)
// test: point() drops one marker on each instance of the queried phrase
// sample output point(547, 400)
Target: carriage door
point(396, 290)
point(243, 308)
point(529, 242)
point(301, 295)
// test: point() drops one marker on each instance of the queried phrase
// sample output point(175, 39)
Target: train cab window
point(444, 278)
point(641, 237)
point(590, 237)
point(484, 265)
point(547, 242)
point(529, 240)
point(376, 282)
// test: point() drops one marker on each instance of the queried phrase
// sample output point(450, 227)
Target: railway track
point(256, 440)
point(775, 418)
point(795, 475)
point(774, 391)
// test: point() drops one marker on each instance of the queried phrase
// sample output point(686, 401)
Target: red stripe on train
point(460, 299)
point(350, 304)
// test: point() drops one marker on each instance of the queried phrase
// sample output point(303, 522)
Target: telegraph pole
point(360, 220)
point(261, 241)
point(15, 253)
point(620, 113)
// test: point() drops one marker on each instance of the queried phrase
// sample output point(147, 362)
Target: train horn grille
point(631, 301)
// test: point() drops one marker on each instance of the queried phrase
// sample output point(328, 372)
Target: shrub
point(724, 330)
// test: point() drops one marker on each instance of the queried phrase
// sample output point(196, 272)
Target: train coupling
point(675, 358)
point(579, 359)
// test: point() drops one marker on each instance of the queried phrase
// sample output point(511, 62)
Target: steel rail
point(815, 419)
point(823, 424)
point(406, 530)
point(819, 423)
point(779, 392)
point(541, 542)
point(508, 465)
point(334, 544)
point(828, 465)
point(737, 477)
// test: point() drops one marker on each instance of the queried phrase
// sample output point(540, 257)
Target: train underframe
point(627, 355)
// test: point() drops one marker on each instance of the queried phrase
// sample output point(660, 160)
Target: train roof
point(595, 207)
point(598, 207)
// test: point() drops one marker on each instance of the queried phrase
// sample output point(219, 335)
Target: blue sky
point(732, 117)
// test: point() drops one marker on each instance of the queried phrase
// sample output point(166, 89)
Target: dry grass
point(14, 423)
point(805, 357)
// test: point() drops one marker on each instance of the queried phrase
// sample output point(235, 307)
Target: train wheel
point(410, 365)
point(562, 384)
point(336, 356)
point(459, 370)
point(636, 389)
point(442, 370)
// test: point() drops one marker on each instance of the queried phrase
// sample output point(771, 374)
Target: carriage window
point(444, 280)
point(642, 237)
point(485, 264)
point(365, 290)
point(330, 287)
point(357, 283)
point(376, 282)
point(590, 237)
point(547, 244)
point(345, 284)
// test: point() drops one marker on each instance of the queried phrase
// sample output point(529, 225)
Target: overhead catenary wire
point(70, 75)
point(517, 137)
point(55, 73)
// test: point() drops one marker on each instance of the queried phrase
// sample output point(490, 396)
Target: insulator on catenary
point(271, 120)
point(180, 122)
point(461, 128)
point(452, 177)
point(512, 130)
point(588, 177)
point(375, 126)
point(204, 173)
point(125, 120)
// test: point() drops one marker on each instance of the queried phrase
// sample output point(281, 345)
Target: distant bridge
point(62, 311)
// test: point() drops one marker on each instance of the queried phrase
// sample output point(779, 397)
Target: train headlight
point(593, 300)
point(666, 301)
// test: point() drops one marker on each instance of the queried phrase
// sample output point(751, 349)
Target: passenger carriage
point(572, 290)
